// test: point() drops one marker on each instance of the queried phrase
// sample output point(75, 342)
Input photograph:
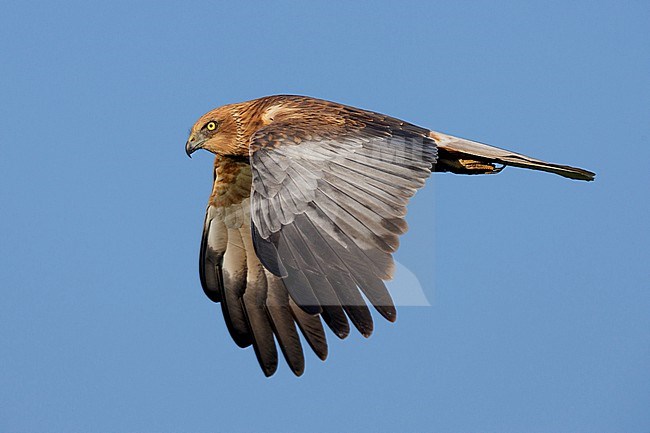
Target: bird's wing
point(462, 156)
point(328, 202)
point(255, 303)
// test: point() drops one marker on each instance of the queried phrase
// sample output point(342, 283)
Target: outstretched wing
point(255, 303)
point(328, 202)
point(462, 156)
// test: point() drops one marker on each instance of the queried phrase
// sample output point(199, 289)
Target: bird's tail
point(470, 157)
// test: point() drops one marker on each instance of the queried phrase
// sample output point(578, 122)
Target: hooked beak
point(192, 145)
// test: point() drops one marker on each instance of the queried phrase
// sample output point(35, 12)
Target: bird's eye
point(211, 126)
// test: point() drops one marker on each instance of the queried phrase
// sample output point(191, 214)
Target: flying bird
point(307, 206)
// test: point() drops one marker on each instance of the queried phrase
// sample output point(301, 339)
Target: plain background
point(540, 288)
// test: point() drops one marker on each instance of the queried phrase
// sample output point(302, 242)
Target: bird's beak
point(192, 145)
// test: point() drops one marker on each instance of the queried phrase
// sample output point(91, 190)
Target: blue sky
point(539, 286)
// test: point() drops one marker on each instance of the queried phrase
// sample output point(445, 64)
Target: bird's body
point(308, 202)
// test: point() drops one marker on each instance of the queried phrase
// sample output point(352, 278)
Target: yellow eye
point(211, 126)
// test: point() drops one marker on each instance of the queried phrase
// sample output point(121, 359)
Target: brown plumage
point(307, 207)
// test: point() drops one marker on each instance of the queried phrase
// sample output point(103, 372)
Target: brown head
point(215, 131)
point(227, 130)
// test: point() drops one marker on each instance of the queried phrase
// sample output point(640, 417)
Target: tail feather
point(470, 157)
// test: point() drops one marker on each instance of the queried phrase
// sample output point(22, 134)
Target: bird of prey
point(307, 206)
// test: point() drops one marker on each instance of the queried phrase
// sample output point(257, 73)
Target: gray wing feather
point(338, 207)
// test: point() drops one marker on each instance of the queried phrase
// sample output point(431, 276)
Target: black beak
point(193, 145)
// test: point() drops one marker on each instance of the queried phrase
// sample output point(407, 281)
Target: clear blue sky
point(540, 286)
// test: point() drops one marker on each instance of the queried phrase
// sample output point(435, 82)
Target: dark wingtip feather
point(269, 370)
point(567, 171)
point(322, 355)
point(579, 174)
point(312, 328)
point(388, 312)
point(336, 320)
point(298, 371)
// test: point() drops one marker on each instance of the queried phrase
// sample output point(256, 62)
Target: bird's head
point(215, 131)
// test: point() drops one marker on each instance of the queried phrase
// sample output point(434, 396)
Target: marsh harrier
point(307, 206)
